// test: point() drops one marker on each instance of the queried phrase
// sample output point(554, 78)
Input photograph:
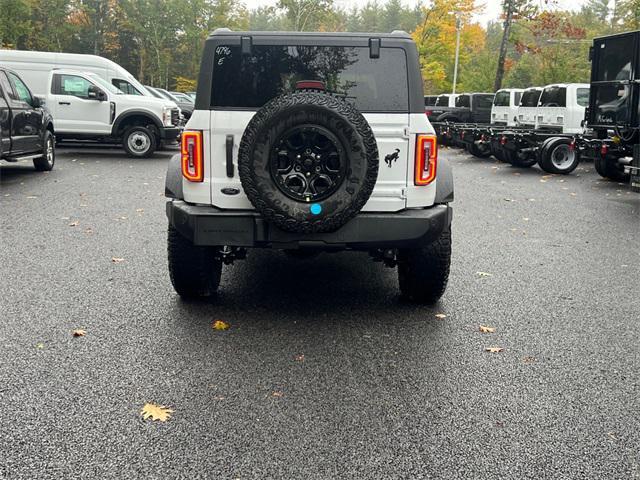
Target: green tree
point(14, 22)
point(305, 15)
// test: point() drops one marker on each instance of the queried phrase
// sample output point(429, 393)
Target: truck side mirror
point(94, 93)
point(37, 102)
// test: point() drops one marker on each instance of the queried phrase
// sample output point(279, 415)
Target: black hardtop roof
point(622, 34)
point(396, 34)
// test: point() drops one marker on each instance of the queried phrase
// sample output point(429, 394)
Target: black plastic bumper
point(170, 133)
point(205, 225)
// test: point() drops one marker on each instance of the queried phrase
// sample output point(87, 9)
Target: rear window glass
point(613, 57)
point(501, 99)
point(430, 100)
point(483, 101)
point(530, 98)
point(463, 101)
point(250, 81)
point(583, 97)
point(442, 101)
point(554, 97)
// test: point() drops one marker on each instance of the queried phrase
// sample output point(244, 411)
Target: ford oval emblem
point(230, 191)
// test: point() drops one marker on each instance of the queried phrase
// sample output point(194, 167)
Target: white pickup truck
point(87, 107)
point(561, 107)
point(504, 110)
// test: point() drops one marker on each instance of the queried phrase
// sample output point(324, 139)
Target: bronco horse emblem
point(392, 157)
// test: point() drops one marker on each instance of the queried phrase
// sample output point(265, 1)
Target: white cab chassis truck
point(561, 107)
point(528, 107)
point(504, 110)
point(309, 142)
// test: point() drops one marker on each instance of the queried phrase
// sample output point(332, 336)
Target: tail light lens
point(426, 159)
point(604, 149)
point(192, 156)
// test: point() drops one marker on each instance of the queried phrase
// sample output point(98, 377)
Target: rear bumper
point(205, 225)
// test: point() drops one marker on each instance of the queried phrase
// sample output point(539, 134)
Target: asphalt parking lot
point(324, 373)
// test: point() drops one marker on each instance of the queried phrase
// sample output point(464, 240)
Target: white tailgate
point(389, 130)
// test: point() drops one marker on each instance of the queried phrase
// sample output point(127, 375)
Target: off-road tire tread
point(423, 273)
point(194, 270)
point(351, 115)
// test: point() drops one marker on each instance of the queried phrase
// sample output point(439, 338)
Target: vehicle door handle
point(229, 145)
point(64, 103)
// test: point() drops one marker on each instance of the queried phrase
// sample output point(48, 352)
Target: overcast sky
point(491, 7)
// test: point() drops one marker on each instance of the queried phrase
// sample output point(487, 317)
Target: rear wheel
point(48, 159)
point(608, 167)
point(194, 271)
point(139, 142)
point(558, 156)
point(423, 272)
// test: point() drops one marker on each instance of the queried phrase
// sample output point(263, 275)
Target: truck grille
point(175, 117)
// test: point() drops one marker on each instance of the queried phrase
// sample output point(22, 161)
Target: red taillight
point(503, 140)
point(572, 145)
point(604, 149)
point(428, 112)
point(426, 159)
point(192, 157)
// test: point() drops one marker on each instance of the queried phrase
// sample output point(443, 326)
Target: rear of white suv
point(306, 143)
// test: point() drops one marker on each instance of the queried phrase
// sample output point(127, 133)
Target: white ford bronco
point(309, 142)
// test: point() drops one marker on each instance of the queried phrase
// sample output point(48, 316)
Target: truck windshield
point(583, 97)
point(430, 100)
point(463, 101)
point(442, 101)
point(530, 98)
point(483, 101)
point(501, 99)
point(554, 97)
point(250, 81)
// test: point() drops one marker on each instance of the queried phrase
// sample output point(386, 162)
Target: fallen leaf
point(39, 346)
point(117, 260)
point(529, 359)
point(88, 230)
point(299, 358)
point(277, 394)
point(440, 315)
point(156, 412)
point(573, 194)
point(74, 224)
point(508, 199)
point(220, 325)
point(139, 210)
point(493, 349)
point(484, 329)
point(31, 196)
point(79, 333)
point(484, 274)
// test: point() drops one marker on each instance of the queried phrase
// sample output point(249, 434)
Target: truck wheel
point(520, 159)
point(423, 272)
point(139, 142)
point(48, 159)
point(308, 161)
point(194, 271)
point(607, 167)
point(557, 156)
point(480, 151)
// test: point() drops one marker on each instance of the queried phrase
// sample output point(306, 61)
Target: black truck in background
point(470, 108)
point(26, 126)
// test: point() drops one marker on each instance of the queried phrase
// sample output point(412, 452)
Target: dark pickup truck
point(26, 127)
point(470, 108)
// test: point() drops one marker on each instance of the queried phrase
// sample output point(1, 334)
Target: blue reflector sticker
point(316, 208)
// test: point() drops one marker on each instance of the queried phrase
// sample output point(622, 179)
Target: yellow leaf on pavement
point(79, 333)
point(493, 349)
point(220, 325)
point(440, 315)
point(117, 260)
point(484, 329)
point(156, 412)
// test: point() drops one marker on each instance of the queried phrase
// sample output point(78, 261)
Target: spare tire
point(308, 161)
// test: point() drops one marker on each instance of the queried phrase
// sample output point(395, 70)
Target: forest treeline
point(160, 41)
